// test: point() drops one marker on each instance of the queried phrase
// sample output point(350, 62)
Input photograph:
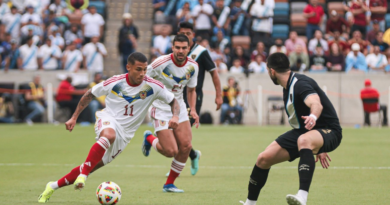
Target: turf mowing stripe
point(203, 167)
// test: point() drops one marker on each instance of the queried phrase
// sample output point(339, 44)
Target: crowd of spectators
point(50, 35)
point(351, 40)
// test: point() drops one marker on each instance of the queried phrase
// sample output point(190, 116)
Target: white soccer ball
point(108, 193)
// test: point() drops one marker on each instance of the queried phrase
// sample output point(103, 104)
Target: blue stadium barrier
point(281, 9)
point(280, 31)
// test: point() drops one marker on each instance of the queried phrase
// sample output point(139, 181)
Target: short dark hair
point(180, 38)
point(279, 62)
point(136, 56)
point(185, 24)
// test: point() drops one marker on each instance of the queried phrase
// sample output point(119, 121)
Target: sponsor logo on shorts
point(326, 131)
point(106, 123)
point(162, 123)
point(304, 167)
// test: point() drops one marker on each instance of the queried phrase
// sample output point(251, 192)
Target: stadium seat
point(243, 41)
point(298, 20)
point(158, 27)
point(337, 6)
point(297, 7)
point(281, 9)
point(300, 30)
point(279, 1)
point(280, 31)
point(100, 7)
point(387, 19)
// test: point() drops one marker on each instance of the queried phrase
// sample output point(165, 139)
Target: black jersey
point(299, 87)
point(202, 57)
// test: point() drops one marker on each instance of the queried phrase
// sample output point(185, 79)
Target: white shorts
point(161, 118)
point(103, 121)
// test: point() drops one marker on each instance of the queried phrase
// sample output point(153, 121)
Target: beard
point(274, 79)
point(180, 60)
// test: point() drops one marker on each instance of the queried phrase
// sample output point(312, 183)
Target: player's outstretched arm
point(175, 108)
point(84, 102)
point(218, 90)
point(323, 157)
point(314, 103)
point(191, 98)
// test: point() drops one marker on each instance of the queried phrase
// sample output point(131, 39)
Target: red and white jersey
point(129, 104)
point(173, 76)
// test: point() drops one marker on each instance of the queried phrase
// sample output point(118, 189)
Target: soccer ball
point(108, 193)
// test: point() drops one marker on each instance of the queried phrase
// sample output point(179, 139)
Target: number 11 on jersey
point(131, 110)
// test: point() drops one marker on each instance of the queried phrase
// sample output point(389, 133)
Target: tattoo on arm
point(175, 108)
point(84, 102)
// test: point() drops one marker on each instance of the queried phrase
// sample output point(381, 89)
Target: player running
point(316, 131)
point(128, 99)
point(202, 57)
point(175, 71)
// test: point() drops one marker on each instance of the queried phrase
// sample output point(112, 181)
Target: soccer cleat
point(145, 144)
point(295, 200)
point(79, 183)
point(45, 196)
point(171, 188)
point(241, 202)
point(195, 163)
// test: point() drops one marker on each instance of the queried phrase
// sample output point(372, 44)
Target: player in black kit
point(316, 131)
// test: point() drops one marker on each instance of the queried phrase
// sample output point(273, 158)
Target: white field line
point(167, 167)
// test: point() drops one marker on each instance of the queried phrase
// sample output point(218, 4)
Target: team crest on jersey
point(119, 90)
point(193, 56)
point(106, 123)
point(188, 76)
point(162, 123)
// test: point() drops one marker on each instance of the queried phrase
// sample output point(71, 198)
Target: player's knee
point(171, 152)
point(109, 134)
point(264, 160)
point(304, 142)
point(186, 147)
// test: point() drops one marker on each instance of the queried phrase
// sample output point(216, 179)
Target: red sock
point(176, 168)
point(150, 139)
point(95, 155)
point(69, 178)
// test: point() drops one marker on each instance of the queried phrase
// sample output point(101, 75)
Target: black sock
point(256, 182)
point(192, 154)
point(306, 169)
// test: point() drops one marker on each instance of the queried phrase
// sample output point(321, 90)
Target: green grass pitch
point(32, 156)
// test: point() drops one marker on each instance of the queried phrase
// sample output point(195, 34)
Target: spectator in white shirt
point(49, 55)
point(236, 68)
point(262, 12)
point(220, 65)
point(57, 38)
point(202, 14)
point(257, 66)
point(73, 33)
point(92, 25)
point(376, 62)
point(72, 58)
point(28, 58)
point(162, 43)
point(59, 7)
point(4, 9)
point(93, 53)
point(30, 17)
point(318, 40)
point(278, 47)
point(11, 22)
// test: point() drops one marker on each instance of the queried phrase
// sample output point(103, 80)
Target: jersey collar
point(192, 48)
point(128, 82)
point(173, 60)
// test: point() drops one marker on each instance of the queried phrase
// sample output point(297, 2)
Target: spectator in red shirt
point(260, 50)
point(370, 98)
point(344, 47)
point(359, 9)
point(314, 13)
point(336, 23)
point(378, 10)
point(371, 35)
point(357, 38)
point(65, 94)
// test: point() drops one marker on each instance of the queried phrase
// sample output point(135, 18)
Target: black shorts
point(289, 141)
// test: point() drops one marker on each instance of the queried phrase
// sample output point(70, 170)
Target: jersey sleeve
point(165, 96)
point(206, 62)
point(151, 72)
point(101, 89)
point(303, 89)
point(194, 79)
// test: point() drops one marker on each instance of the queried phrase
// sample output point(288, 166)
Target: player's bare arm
point(175, 108)
point(314, 103)
point(217, 85)
point(84, 102)
point(191, 98)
